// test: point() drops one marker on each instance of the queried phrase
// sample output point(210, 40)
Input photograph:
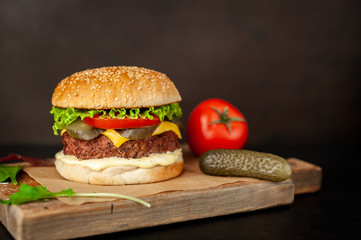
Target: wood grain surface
point(53, 219)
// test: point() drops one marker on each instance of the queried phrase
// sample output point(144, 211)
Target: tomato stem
point(225, 119)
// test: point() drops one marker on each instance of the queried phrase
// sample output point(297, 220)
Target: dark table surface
point(332, 213)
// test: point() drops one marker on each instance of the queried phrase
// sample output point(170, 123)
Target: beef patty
point(102, 147)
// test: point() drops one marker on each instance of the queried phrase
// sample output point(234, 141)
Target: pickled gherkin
point(79, 130)
point(245, 163)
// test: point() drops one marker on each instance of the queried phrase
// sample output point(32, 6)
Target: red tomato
point(215, 124)
point(115, 123)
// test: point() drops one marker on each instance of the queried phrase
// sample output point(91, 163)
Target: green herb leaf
point(28, 193)
point(65, 116)
point(9, 172)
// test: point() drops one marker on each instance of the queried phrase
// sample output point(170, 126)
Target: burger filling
point(103, 147)
point(122, 133)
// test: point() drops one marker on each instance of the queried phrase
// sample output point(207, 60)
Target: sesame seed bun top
point(115, 87)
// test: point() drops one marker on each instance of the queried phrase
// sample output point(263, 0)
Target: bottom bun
point(120, 175)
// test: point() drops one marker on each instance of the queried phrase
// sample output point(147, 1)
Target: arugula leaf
point(65, 116)
point(9, 172)
point(28, 193)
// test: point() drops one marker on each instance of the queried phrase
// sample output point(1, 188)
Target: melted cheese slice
point(62, 132)
point(164, 126)
point(115, 137)
point(152, 160)
point(167, 126)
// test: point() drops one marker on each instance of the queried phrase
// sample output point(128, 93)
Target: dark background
point(292, 67)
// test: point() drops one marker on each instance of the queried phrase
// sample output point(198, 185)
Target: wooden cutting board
point(55, 220)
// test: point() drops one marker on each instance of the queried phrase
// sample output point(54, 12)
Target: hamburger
point(119, 125)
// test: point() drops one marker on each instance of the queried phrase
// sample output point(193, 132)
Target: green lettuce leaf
point(9, 172)
point(65, 116)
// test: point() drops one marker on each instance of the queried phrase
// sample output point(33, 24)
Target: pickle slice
point(80, 130)
point(138, 133)
point(177, 120)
